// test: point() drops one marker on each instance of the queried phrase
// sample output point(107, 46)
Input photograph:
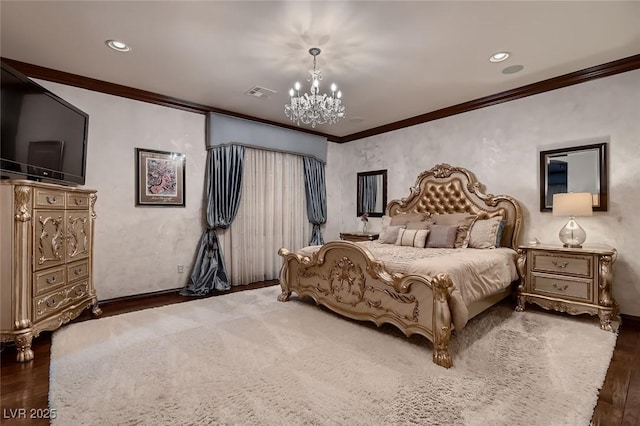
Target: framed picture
point(159, 178)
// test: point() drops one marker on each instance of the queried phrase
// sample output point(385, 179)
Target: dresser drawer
point(54, 302)
point(578, 289)
point(575, 265)
point(48, 198)
point(48, 280)
point(77, 270)
point(77, 201)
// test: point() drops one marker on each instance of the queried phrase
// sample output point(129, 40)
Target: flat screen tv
point(43, 136)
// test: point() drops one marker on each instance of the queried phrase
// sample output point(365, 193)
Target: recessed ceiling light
point(499, 57)
point(118, 45)
point(512, 69)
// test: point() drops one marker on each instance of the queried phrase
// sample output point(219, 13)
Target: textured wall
point(500, 144)
point(137, 249)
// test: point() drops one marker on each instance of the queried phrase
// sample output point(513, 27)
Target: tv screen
point(43, 136)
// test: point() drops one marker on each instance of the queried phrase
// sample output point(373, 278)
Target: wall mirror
point(576, 169)
point(372, 193)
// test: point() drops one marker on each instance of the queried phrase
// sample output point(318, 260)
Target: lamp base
point(572, 245)
point(572, 235)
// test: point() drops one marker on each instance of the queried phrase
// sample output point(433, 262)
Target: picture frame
point(160, 178)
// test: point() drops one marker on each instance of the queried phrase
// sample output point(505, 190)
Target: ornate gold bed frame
point(347, 279)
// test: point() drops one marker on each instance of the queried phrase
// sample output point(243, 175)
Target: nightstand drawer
point(561, 286)
point(576, 265)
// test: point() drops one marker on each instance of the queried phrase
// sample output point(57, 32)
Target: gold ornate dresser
point(572, 280)
point(46, 259)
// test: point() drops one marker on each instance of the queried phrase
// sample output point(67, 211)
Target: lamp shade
point(573, 204)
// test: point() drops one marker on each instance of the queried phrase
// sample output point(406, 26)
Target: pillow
point(424, 224)
point(501, 227)
point(462, 220)
point(442, 236)
point(389, 235)
point(404, 218)
point(483, 233)
point(412, 237)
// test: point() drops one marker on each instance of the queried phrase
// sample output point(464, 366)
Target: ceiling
point(393, 60)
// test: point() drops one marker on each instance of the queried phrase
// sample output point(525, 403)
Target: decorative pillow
point(424, 224)
point(503, 223)
point(390, 234)
point(442, 236)
point(404, 218)
point(483, 233)
point(412, 237)
point(462, 220)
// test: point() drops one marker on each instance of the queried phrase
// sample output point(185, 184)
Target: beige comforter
point(475, 273)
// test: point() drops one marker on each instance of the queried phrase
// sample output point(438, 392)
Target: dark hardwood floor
point(24, 387)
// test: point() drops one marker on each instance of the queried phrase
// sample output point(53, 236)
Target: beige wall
point(500, 144)
point(137, 249)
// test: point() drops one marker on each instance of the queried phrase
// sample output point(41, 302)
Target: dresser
point(359, 236)
point(572, 280)
point(46, 259)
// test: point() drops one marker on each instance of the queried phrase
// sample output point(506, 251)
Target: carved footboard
point(346, 278)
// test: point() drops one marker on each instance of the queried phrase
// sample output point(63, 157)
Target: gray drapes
point(224, 184)
point(370, 193)
point(316, 191)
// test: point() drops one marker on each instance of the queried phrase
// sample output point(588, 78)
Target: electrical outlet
point(180, 269)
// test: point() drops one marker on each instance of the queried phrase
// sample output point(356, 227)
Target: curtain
point(223, 176)
point(271, 215)
point(370, 193)
point(316, 191)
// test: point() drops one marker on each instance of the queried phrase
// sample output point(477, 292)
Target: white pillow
point(483, 233)
point(412, 237)
point(389, 235)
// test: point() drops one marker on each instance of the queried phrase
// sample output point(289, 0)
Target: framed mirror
point(575, 169)
point(372, 193)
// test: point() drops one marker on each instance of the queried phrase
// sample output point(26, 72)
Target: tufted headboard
point(448, 189)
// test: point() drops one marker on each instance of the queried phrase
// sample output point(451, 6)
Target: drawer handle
point(77, 271)
point(52, 200)
point(560, 265)
point(560, 288)
point(78, 201)
point(52, 279)
point(51, 302)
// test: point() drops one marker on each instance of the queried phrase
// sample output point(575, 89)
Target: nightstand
point(359, 236)
point(572, 280)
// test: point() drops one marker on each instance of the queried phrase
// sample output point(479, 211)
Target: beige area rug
point(247, 359)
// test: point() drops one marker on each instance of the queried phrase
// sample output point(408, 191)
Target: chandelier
point(314, 108)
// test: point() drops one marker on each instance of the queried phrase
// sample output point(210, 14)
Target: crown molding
point(36, 71)
point(605, 70)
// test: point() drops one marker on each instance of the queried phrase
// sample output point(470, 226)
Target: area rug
point(247, 359)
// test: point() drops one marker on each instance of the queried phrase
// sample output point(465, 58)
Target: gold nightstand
point(359, 236)
point(572, 280)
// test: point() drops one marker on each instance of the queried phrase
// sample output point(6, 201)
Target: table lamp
point(572, 204)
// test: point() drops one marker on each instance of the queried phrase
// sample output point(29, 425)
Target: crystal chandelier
point(314, 108)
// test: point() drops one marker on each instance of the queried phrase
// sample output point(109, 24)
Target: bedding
point(475, 273)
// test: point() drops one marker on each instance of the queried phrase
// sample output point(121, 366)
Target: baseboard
point(149, 297)
point(140, 296)
point(630, 320)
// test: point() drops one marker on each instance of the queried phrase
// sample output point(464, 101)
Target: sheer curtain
point(272, 214)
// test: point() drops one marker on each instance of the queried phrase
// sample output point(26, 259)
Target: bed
point(424, 291)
